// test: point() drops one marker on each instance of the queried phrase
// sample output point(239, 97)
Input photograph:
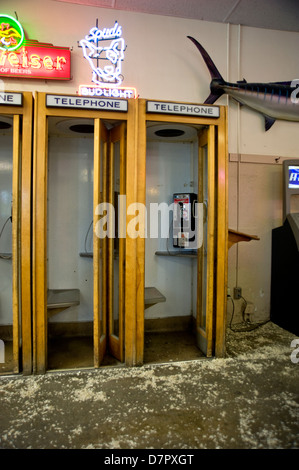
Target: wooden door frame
point(221, 222)
point(21, 245)
point(39, 247)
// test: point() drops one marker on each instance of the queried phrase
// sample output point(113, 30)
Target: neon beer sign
point(104, 59)
point(108, 91)
point(11, 33)
point(20, 57)
point(104, 50)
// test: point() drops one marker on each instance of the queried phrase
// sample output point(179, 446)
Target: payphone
point(285, 255)
point(184, 220)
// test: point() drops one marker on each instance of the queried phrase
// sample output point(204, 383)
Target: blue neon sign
point(111, 55)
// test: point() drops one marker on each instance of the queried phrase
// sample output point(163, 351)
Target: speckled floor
point(248, 400)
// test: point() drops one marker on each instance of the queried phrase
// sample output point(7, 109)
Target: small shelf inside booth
point(152, 296)
point(86, 254)
point(182, 253)
point(89, 254)
point(60, 299)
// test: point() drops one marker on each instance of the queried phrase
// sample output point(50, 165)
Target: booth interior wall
point(6, 167)
point(170, 167)
point(70, 213)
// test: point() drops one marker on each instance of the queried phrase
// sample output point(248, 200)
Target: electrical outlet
point(228, 292)
point(237, 292)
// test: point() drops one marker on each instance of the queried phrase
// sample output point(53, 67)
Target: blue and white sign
point(182, 108)
point(294, 177)
point(81, 102)
point(11, 99)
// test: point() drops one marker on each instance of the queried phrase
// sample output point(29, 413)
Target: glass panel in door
point(10, 139)
point(205, 283)
point(100, 243)
point(70, 283)
point(116, 248)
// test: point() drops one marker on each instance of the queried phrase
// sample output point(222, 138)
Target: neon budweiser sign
point(21, 57)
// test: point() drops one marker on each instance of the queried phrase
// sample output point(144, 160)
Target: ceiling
point(270, 14)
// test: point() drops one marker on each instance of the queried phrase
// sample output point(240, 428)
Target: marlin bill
point(275, 100)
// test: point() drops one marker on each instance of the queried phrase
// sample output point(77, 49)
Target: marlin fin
point(269, 121)
point(211, 98)
point(214, 72)
point(281, 83)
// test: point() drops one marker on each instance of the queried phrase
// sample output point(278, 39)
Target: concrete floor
point(69, 353)
point(248, 400)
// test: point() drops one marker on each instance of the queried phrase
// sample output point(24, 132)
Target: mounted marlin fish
point(273, 100)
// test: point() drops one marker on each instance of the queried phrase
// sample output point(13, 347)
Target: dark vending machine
point(285, 256)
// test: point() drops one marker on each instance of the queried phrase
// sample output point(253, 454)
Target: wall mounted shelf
point(86, 254)
point(152, 296)
point(6, 255)
point(60, 299)
point(183, 254)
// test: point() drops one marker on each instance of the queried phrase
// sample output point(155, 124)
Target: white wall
point(70, 203)
point(163, 64)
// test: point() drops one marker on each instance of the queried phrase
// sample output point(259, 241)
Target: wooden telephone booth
point(15, 239)
point(84, 157)
point(204, 138)
point(90, 163)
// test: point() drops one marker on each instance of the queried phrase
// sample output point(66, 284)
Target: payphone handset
point(184, 220)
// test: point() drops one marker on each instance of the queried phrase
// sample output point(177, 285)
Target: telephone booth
point(183, 154)
point(15, 235)
point(83, 163)
point(100, 272)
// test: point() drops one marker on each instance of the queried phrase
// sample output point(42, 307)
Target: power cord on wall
point(86, 236)
point(245, 325)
